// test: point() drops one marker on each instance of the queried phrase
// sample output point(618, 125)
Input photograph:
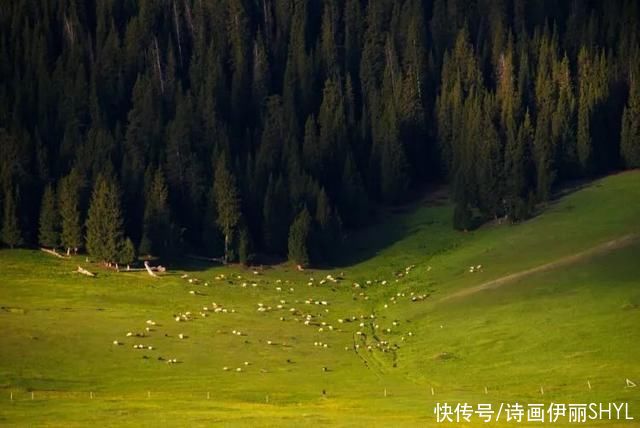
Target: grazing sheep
point(129, 334)
point(115, 342)
point(181, 336)
point(225, 368)
point(239, 369)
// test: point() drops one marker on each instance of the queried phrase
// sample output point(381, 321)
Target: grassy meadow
point(555, 330)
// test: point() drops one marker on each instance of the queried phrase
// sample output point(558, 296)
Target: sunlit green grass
point(552, 331)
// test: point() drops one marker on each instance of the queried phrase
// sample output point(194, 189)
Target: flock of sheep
point(369, 335)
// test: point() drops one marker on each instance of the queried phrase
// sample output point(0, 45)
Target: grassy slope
point(555, 329)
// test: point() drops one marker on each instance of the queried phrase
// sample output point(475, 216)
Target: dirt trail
point(603, 248)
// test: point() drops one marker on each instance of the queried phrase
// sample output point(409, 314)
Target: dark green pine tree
point(11, 231)
point(105, 233)
point(630, 133)
point(489, 163)
point(465, 186)
point(126, 253)
point(227, 199)
point(212, 239)
point(333, 133)
point(311, 150)
point(592, 88)
point(244, 246)
point(394, 167)
point(517, 171)
point(157, 228)
point(299, 238)
point(329, 228)
point(49, 232)
point(275, 222)
point(69, 189)
point(354, 202)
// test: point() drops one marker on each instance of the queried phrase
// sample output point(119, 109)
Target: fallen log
point(85, 272)
point(149, 269)
point(52, 252)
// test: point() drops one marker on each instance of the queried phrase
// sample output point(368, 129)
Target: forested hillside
point(167, 127)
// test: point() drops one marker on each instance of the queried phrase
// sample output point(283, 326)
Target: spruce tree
point(354, 203)
point(104, 221)
point(69, 203)
point(394, 166)
point(49, 232)
point(299, 238)
point(11, 231)
point(329, 227)
point(244, 246)
point(126, 253)
point(157, 230)
point(630, 133)
point(275, 223)
point(227, 202)
point(516, 171)
point(212, 239)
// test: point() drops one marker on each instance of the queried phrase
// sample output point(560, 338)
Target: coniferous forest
point(274, 127)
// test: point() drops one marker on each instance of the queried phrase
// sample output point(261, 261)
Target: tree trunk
point(226, 248)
